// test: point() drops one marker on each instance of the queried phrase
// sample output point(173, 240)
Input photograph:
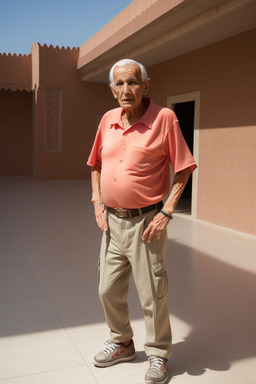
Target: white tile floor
point(51, 322)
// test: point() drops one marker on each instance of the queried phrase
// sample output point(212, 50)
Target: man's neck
point(129, 118)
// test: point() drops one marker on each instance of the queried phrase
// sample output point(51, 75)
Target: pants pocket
point(160, 279)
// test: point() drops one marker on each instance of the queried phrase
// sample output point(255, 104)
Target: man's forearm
point(95, 180)
point(179, 183)
point(96, 199)
point(161, 220)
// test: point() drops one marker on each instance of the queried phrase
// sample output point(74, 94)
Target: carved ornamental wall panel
point(53, 113)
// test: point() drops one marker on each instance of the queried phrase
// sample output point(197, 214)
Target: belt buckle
point(121, 213)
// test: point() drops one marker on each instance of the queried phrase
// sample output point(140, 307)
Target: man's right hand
point(100, 215)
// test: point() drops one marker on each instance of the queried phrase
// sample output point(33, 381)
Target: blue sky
point(57, 22)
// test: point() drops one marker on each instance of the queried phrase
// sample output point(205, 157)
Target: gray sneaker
point(113, 354)
point(157, 372)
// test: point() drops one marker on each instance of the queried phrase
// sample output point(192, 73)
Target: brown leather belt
point(129, 213)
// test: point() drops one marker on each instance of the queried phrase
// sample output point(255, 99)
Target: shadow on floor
point(48, 254)
point(216, 301)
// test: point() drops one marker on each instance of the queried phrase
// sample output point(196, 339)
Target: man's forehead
point(127, 70)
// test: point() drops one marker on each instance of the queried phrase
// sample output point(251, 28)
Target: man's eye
point(119, 84)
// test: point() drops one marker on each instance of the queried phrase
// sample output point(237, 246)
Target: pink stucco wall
point(224, 73)
point(26, 118)
point(15, 133)
point(15, 115)
point(15, 72)
point(80, 103)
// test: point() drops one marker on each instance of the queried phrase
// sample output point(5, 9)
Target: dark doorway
point(185, 114)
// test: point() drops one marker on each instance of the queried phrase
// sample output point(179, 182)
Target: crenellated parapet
point(4, 54)
point(56, 47)
point(22, 72)
point(15, 87)
point(15, 72)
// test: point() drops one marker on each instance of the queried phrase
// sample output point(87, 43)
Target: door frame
point(171, 101)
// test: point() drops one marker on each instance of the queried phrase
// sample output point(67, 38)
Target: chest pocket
point(143, 160)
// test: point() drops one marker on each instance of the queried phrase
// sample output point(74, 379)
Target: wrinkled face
point(128, 87)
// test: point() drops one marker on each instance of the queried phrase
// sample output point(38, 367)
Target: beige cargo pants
point(122, 253)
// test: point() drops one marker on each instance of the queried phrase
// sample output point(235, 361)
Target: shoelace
point(156, 363)
point(110, 347)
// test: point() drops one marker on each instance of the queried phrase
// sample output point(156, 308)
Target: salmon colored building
point(201, 57)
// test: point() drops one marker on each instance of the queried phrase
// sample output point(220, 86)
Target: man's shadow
point(216, 301)
point(212, 312)
point(185, 360)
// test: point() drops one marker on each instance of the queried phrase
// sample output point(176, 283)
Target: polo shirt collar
point(145, 119)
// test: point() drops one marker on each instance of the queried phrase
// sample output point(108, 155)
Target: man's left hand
point(155, 227)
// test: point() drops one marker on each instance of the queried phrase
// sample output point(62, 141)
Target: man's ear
point(113, 91)
point(146, 86)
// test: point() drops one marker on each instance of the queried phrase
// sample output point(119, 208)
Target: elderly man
point(130, 161)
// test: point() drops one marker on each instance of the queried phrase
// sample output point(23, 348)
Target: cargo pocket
point(160, 279)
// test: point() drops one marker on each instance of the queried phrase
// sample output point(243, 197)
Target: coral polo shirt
point(135, 163)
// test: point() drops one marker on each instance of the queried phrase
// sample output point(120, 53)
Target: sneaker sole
point(113, 362)
point(154, 382)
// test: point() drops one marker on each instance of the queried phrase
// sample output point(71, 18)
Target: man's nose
point(126, 88)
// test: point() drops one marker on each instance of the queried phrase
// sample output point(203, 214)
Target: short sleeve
point(95, 155)
point(177, 149)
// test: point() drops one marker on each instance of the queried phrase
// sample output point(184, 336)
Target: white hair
point(143, 70)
